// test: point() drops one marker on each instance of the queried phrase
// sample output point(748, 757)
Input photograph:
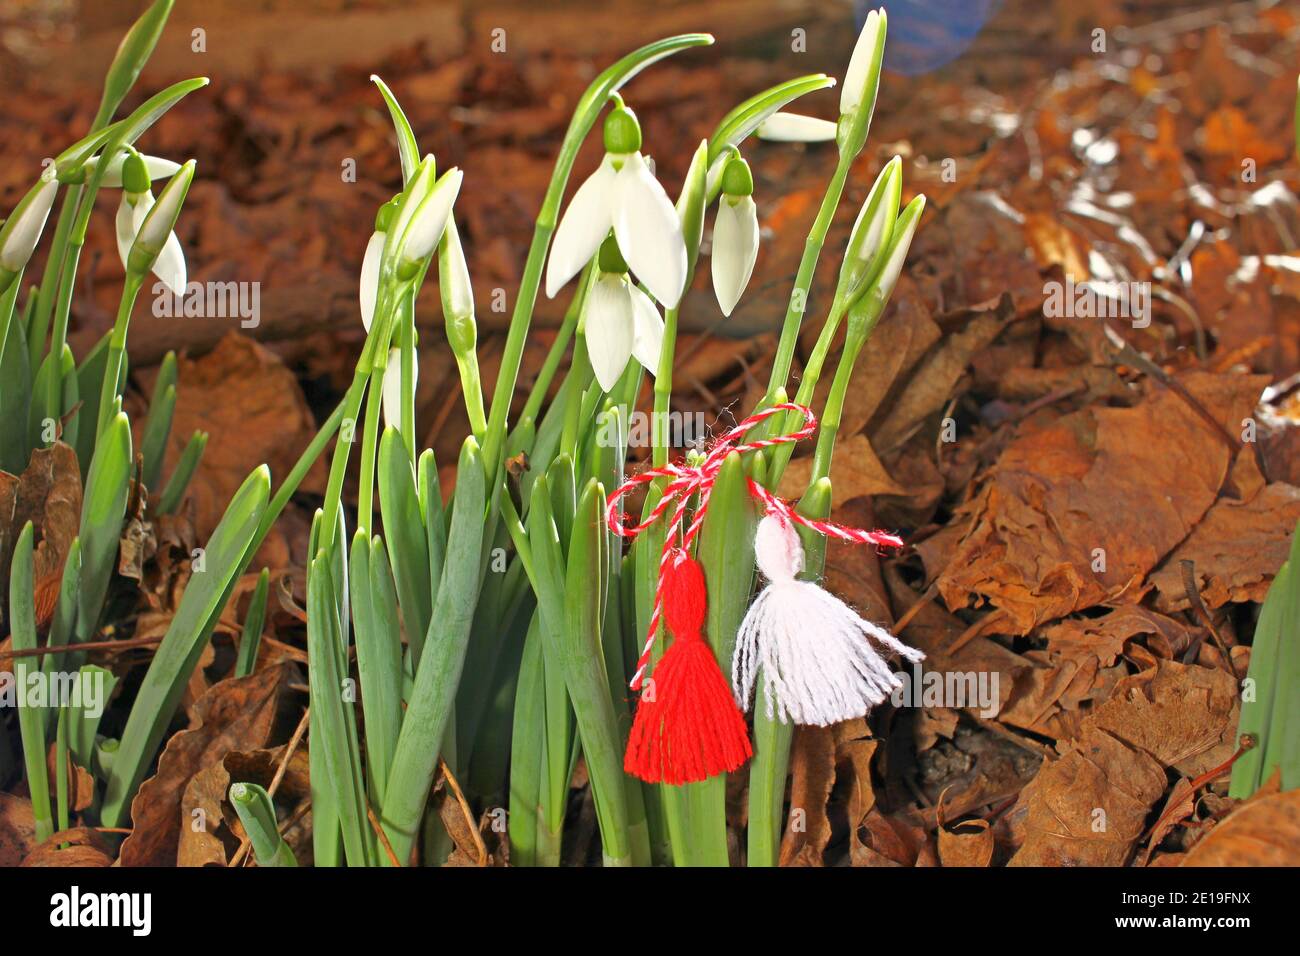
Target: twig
point(1024, 743)
point(465, 811)
point(1204, 779)
point(383, 837)
point(118, 645)
point(930, 594)
point(1194, 598)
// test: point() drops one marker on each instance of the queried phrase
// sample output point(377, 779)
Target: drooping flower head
point(622, 195)
point(735, 235)
point(168, 262)
point(619, 321)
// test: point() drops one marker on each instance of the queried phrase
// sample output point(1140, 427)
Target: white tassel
point(818, 665)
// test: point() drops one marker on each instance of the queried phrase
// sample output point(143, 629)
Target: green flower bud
point(384, 217)
point(622, 131)
point(737, 180)
point(135, 174)
point(456, 291)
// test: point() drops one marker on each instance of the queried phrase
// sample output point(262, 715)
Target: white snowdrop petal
point(369, 289)
point(649, 233)
point(156, 166)
point(609, 328)
point(647, 330)
point(735, 249)
point(126, 225)
point(582, 228)
point(796, 128)
point(856, 75)
point(170, 265)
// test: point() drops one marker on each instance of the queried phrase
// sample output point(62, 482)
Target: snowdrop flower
point(899, 243)
point(155, 166)
point(619, 320)
point(623, 195)
point(862, 65)
point(795, 128)
point(457, 293)
point(735, 235)
point(154, 249)
point(22, 230)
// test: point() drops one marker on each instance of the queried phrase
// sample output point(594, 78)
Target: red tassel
point(692, 728)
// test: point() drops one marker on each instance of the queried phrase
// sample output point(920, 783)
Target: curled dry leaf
point(1179, 806)
point(1236, 550)
point(17, 829)
point(234, 714)
point(81, 785)
point(206, 794)
point(1089, 807)
point(1183, 716)
point(812, 767)
point(48, 494)
point(934, 382)
point(79, 846)
point(969, 843)
point(1263, 831)
point(253, 410)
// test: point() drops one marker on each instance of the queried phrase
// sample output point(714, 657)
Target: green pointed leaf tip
point(736, 126)
point(408, 150)
point(124, 132)
point(132, 54)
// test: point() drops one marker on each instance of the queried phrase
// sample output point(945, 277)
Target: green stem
point(51, 281)
point(408, 369)
point(370, 444)
point(804, 278)
point(555, 355)
point(522, 317)
point(663, 391)
point(116, 347)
